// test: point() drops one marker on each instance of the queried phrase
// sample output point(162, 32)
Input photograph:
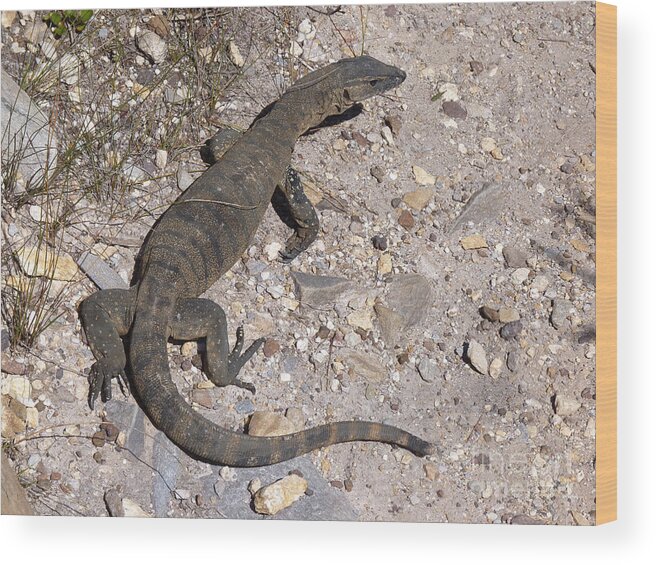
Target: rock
point(153, 46)
point(518, 276)
point(391, 324)
point(202, 397)
point(565, 405)
point(394, 122)
point(271, 347)
point(454, 110)
point(488, 144)
point(132, 510)
point(20, 388)
point(43, 261)
point(361, 319)
point(264, 424)
point(13, 367)
point(489, 313)
point(245, 406)
point(384, 265)
point(167, 463)
point(476, 356)
point(27, 138)
point(406, 220)
point(160, 25)
point(476, 67)
point(511, 330)
point(495, 368)
point(161, 157)
point(418, 199)
point(423, 177)
point(8, 17)
point(235, 55)
point(431, 471)
point(275, 497)
point(525, 520)
point(183, 178)
point(411, 296)
point(475, 241)
point(386, 134)
point(99, 272)
point(449, 92)
point(560, 309)
point(378, 173)
point(317, 290)
point(428, 370)
point(507, 315)
point(512, 361)
point(514, 257)
point(363, 365)
point(114, 504)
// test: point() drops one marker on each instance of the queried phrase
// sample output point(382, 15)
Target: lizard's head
point(350, 81)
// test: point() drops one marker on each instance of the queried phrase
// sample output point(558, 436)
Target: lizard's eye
point(373, 82)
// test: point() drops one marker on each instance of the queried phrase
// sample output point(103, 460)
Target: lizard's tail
point(204, 440)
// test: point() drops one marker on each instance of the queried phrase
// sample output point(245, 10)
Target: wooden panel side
point(606, 186)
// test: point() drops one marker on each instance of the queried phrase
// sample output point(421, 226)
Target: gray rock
point(511, 330)
point(26, 136)
point(127, 416)
point(428, 370)
point(514, 257)
point(245, 407)
point(321, 502)
point(410, 296)
point(99, 272)
point(512, 360)
point(364, 365)
point(316, 290)
point(483, 206)
point(183, 178)
point(166, 461)
point(560, 309)
point(476, 356)
point(391, 324)
point(153, 46)
point(454, 110)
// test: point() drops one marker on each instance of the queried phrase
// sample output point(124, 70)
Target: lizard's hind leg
point(198, 318)
point(106, 316)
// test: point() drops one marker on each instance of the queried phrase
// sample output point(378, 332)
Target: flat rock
point(560, 309)
point(364, 365)
point(99, 272)
point(127, 416)
point(45, 262)
point(317, 290)
point(391, 324)
point(410, 296)
point(422, 176)
point(418, 199)
point(507, 315)
point(26, 134)
point(428, 370)
point(514, 257)
point(167, 459)
point(475, 241)
point(565, 405)
point(476, 356)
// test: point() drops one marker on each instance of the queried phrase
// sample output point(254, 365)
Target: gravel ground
point(460, 209)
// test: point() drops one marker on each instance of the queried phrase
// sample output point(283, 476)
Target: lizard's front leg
point(198, 318)
point(106, 316)
point(304, 217)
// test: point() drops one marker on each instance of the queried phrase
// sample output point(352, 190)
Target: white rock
point(235, 55)
point(153, 46)
point(566, 405)
point(476, 356)
point(423, 177)
point(42, 261)
point(520, 275)
point(161, 156)
point(488, 144)
point(495, 368)
point(449, 92)
point(133, 510)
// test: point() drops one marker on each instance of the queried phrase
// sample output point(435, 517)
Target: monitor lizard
point(198, 239)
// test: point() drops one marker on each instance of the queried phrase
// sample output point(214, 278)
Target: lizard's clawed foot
point(299, 241)
point(100, 381)
point(236, 360)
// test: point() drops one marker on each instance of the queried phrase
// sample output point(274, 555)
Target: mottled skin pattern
point(197, 240)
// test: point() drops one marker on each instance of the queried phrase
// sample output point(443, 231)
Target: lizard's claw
point(100, 382)
point(299, 241)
